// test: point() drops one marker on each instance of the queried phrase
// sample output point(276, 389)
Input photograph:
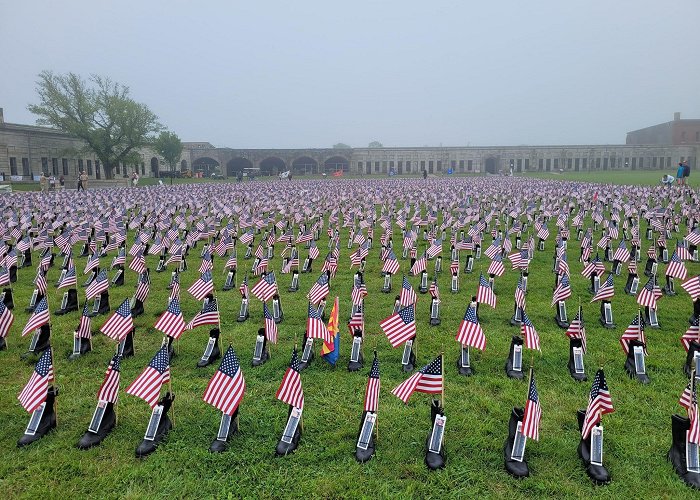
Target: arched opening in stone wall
point(205, 165)
point(272, 166)
point(304, 166)
point(336, 163)
point(490, 166)
point(236, 165)
point(183, 165)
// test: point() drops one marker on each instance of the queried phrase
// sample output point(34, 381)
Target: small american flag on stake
point(147, 386)
point(226, 388)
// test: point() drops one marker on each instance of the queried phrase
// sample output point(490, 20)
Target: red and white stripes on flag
point(470, 332)
point(599, 403)
point(400, 326)
point(373, 386)
point(428, 380)
point(147, 386)
point(6, 320)
point(171, 322)
point(202, 287)
point(110, 385)
point(290, 390)
point(532, 414)
point(36, 390)
point(226, 388)
point(120, 323)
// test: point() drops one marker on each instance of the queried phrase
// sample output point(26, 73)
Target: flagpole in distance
point(442, 373)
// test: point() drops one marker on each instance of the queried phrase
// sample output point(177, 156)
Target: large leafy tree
point(98, 111)
point(169, 146)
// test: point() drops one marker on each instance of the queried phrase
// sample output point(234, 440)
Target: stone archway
point(336, 163)
point(238, 165)
point(272, 166)
point(205, 165)
point(304, 165)
point(183, 165)
point(491, 165)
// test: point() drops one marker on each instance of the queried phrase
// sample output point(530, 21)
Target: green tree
point(98, 111)
point(375, 144)
point(169, 146)
point(341, 145)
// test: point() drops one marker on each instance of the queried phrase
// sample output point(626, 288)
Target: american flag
point(69, 279)
point(138, 263)
point(691, 334)
point(85, 325)
point(45, 260)
point(232, 262)
point(434, 290)
point(694, 431)
point(202, 287)
point(98, 285)
point(543, 232)
point(315, 327)
point(36, 390)
point(647, 295)
point(622, 254)
point(245, 292)
point(290, 390)
point(265, 288)
point(408, 295)
point(120, 259)
point(563, 290)
point(357, 320)
point(454, 267)
point(496, 267)
point(520, 294)
point(427, 380)
point(373, 385)
point(143, 287)
point(319, 290)
point(400, 326)
point(484, 293)
point(361, 253)
point(92, 263)
point(577, 329)
point(260, 266)
point(693, 237)
point(687, 395)
point(494, 249)
point(532, 339)
point(313, 251)
point(533, 411)
point(171, 322)
point(391, 264)
point(434, 249)
point(606, 290)
point(594, 265)
point(599, 403)
point(147, 386)
point(120, 323)
point(635, 331)
point(676, 268)
point(209, 315)
point(302, 238)
point(420, 265)
point(175, 257)
point(270, 325)
point(692, 286)
point(6, 320)
point(110, 385)
point(226, 388)
point(470, 332)
point(4, 277)
point(359, 292)
point(40, 281)
point(39, 317)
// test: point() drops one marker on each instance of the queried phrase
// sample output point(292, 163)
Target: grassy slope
point(637, 435)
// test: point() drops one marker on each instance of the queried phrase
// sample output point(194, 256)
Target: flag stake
point(442, 374)
point(172, 394)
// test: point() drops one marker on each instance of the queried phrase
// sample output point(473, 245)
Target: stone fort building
point(28, 150)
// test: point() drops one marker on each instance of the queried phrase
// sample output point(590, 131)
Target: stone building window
point(54, 166)
point(422, 165)
point(80, 165)
point(408, 167)
point(25, 167)
point(439, 165)
point(98, 174)
point(13, 165)
point(461, 165)
point(668, 162)
point(89, 167)
point(540, 164)
point(527, 163)
point(143, 168)
point(45, 165)
point(64, 165)
point(430, 166)
point(585, 163)
point(470, 165)
point(569, 161)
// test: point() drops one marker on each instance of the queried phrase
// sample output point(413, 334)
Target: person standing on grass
point(686, 171)
point(679, 173)
point(62, 182)
point(80, 181)
point(43, 183)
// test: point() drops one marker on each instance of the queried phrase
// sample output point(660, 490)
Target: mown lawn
point(637, 435)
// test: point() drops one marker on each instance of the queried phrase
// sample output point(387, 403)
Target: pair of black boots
point(677, 453)
point(148, 446)
point(47, 422)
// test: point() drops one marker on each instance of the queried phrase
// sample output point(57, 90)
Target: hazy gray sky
point(407, 73)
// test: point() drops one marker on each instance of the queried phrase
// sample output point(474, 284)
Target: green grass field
point(637, 435)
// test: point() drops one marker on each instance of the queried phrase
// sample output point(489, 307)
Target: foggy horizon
point(312, 74)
